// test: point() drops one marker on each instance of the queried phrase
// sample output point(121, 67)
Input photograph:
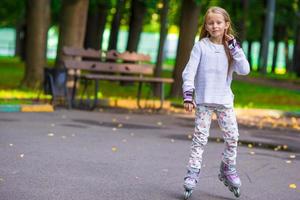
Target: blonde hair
point(229, 30)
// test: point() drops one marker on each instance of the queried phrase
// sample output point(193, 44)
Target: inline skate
point(230, 178)
point(190, 181)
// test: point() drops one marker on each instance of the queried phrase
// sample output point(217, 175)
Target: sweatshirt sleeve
point(240, 63)
point(190, 70)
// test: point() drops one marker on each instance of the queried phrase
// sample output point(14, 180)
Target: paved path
point(116, 155)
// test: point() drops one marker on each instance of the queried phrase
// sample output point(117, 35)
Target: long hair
point(229, 30)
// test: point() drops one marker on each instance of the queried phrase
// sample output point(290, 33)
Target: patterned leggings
point(227, 122)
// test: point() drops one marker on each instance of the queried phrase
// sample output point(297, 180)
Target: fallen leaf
point(114, 149)
point(293, 186)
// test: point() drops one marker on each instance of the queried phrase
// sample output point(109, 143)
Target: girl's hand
point(188, 106)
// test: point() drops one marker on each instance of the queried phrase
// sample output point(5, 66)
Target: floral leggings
point(227, 122)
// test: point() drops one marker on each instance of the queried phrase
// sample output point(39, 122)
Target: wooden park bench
point(97, 65)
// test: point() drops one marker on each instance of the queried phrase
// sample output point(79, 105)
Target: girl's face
point(216, 25)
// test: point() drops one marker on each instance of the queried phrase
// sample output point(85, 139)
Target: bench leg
point(84, 91)
point(162, 96)
point(96, 95)
point(74, 92)
point(139, 94)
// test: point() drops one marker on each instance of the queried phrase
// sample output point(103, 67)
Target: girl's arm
point(189, 73)
point(240, 63)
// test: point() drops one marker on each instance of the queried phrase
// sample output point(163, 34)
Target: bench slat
point(110, 55)
point(87, 53)
point(127, 68)
point(127, 78)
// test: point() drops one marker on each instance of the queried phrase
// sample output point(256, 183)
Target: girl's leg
point(228, 173)
point(228, 124)
point(202, 125)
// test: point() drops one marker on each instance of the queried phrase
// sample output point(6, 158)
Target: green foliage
point(11, 11)
point(55, 9)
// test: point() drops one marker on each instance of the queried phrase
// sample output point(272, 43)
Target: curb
point(26, 108)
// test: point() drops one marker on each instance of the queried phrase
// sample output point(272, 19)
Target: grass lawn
point(246, 94)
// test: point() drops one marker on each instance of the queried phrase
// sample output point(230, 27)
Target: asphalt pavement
point(122, 155)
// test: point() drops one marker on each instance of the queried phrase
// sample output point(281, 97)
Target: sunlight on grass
point(19, 94)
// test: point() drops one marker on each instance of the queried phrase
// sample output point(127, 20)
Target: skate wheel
point(225, 183)
point(187, 194)
point(220, 177)
point(230, 188)
point(236, 192)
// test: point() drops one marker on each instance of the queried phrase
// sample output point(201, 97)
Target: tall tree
point(38, 14)
point(97, 15)
point(243, 21)
point(296, 55)
point(138, 11)
point(72, 26)
point(276, 44)
point(115, 25)
point(268, 33)
point(190, 11)
point(162, 38)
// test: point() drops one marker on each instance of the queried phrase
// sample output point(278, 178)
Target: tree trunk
point(243, 27)
point(38, 14)
point(162, 38)
point(20, 47)
point(276, 42)
point(72, 26)
point(268, 31)
point(115, 25)
point(288, 65)
point(95, 27)
point(188, 28)
point(138, 11)
point(249, 55)
point(277, 36)
point(263, 19)
point(296, 53)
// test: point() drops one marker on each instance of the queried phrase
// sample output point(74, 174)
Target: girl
point(206, 87)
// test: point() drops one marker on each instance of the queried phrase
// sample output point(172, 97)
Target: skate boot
point(230, 178)
point(190, 181)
